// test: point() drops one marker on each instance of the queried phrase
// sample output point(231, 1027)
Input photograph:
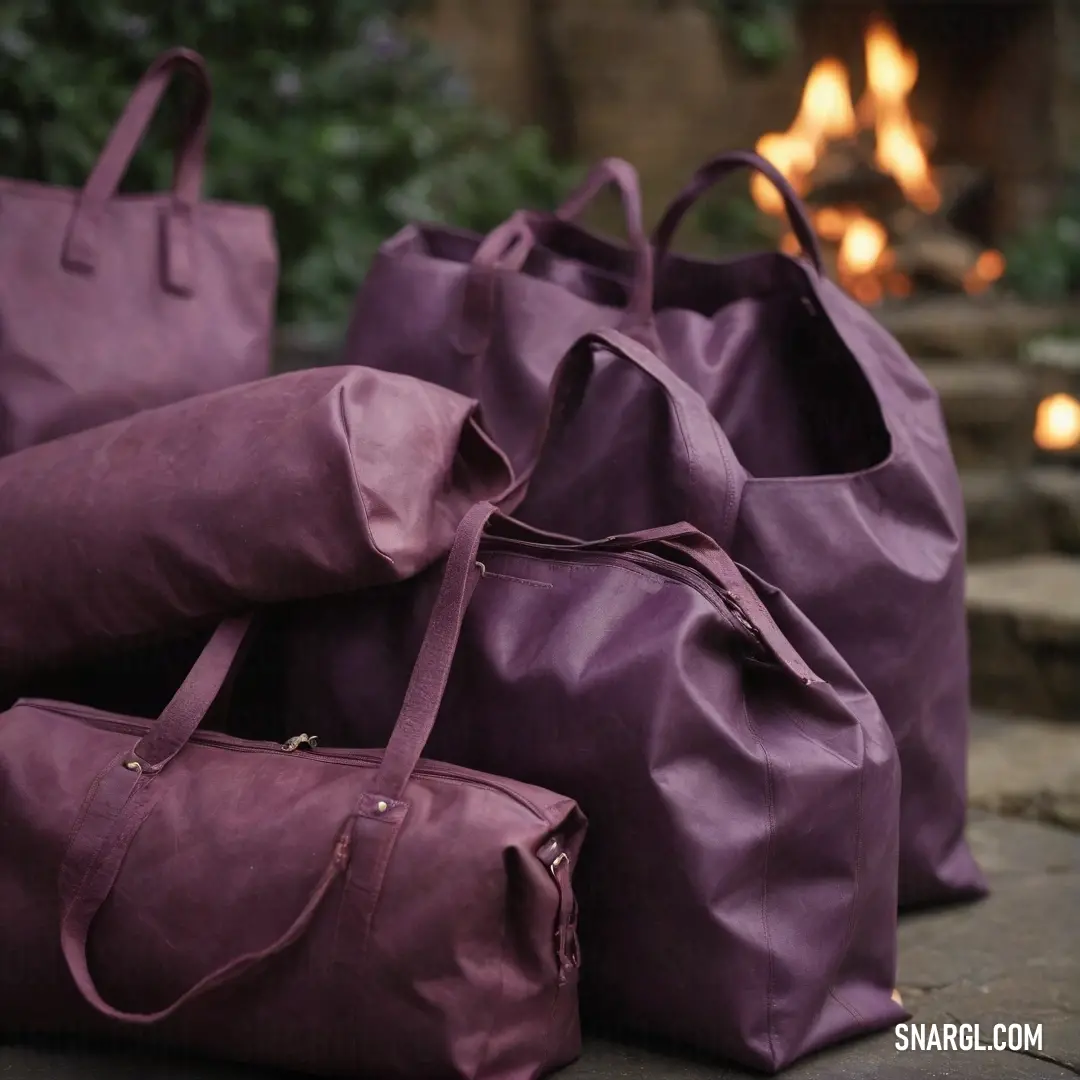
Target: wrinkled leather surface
point(79, 349)
point(434, 951)
point(738, 887)
point(300, 485)
point(849, 498)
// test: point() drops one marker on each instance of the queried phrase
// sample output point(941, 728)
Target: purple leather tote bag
point(113, 303)
point(339, 912)
point(738, 889)
point(842, 488)
point(446, 306)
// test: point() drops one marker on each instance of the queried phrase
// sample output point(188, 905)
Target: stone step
point(1002, 515)
point(989, 409)
point(1055, 364)
point(966, 328)
point(1021, 512)
point(1024, 622)
point(1025, 768)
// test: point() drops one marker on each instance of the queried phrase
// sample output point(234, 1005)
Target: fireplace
point(925, 135)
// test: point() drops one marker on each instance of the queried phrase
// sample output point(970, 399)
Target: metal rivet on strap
point(381, 807)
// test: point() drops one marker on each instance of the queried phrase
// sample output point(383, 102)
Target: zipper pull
point(310, 741)
point(566, 943)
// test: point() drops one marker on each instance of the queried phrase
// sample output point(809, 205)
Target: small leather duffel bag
point(337, 912)
point(173, 519)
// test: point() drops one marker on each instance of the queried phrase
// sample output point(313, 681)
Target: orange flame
point(891, 74)
point(826, 113)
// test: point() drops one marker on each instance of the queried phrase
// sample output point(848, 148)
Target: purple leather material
point(114, 303)
point(738, 889)
point(305, 484)
point(833, 442)
point(332, 911)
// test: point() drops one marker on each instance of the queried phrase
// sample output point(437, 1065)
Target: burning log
point(956, 183)
point(846, 175)
point(864, 186)
point(886, 217)
point(938, 255)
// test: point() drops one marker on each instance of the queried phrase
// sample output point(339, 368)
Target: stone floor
point(1014, 958)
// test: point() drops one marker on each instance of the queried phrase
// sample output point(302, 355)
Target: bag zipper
point(432, 769)
point(721, 600)
point(702, 584)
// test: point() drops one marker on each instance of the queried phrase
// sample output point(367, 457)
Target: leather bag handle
point(75, 928)
point(120, 801)
point(432, 669)
point(121, 797)
point(717, 169)
point(80, 252)
point(710, 462)
point(508, 245)
point(623, 176)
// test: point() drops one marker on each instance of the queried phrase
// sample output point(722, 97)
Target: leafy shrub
point(325, 111)
point(1043, 263)
point(762, 30)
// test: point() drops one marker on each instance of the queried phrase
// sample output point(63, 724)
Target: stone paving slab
point(1014, 958)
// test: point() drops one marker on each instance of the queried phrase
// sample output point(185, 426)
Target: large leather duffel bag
point(738, 888)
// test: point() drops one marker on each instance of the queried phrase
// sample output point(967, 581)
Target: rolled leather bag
point(297, 486)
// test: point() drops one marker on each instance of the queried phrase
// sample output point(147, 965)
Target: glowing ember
point(1057, 423)
point(831, 224)
point(826, 113)
point(864, 241)
point(989, 266)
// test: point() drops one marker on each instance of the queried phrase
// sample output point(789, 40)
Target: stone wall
point(657, 84)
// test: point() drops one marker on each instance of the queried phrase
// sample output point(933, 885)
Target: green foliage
point(763, 30)
point(734, 225)
point(1044, 262)
point(326, 111)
